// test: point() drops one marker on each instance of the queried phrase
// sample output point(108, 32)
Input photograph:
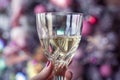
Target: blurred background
point(98, 55)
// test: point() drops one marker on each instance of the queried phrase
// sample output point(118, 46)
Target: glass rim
point(62, 13)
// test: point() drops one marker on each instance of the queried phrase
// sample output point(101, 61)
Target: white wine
point(60, 48)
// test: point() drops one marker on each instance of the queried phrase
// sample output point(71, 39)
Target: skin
point(74, 71)
point(45, 74)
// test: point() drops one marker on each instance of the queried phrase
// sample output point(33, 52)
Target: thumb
point(68, 75)
point(45, 73)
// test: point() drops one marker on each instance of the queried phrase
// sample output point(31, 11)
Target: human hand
point(46, 73)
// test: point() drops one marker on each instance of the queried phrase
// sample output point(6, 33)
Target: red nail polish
point(48, 62)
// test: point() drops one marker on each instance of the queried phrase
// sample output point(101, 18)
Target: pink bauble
point(92, 20)
point(39, 9)
point(105, 70)
point(62, 3)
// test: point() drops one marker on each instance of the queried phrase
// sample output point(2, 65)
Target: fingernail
point(48, 62)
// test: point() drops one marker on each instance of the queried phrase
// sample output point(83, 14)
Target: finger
point(68, 75)
point(45, 73)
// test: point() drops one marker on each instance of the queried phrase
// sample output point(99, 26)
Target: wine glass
point(59, 34)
